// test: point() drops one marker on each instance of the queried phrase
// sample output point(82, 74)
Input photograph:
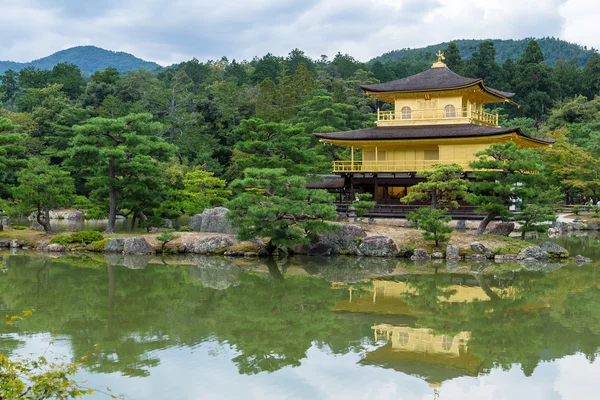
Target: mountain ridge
point(88, 58)
point(552, 48)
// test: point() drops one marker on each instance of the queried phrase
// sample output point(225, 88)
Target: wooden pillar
point(376, 159)
point(352, 159)
point(376, 189)
point(351, 188)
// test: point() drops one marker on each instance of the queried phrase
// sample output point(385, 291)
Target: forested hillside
point(167, 143)
point(89, 59)
point(553, 50)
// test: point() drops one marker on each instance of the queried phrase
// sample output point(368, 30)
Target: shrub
point(432, 222)
point(61, 239)
point(186, 228)
point(99, 245)
point(406, 251)
point(94, 213)
point(576, 210)
point(83, 237)
point(19, 227)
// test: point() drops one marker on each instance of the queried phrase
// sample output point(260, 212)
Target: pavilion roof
point(433, 79)
point(426, 132)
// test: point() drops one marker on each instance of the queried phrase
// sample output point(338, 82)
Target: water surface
point(306, 328)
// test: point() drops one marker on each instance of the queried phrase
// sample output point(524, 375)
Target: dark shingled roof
point(328, 182)
point(425, 132)
point(432, 79)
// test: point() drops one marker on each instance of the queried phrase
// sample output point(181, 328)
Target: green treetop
point(503, 174)
point(11, 154)
point(442, 187)
point(203, 190)
point(280, 207)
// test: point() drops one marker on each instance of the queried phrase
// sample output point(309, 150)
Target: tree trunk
point(112, 196)
point(484, 223)
point(433, 200)
point(38, 217)
point(133, 219)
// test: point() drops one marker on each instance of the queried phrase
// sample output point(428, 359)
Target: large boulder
point(533, 253)
point(4, 243)
point(452, 252)
point(114, 246)
point(593, 226)
point(57, 248)
point(479, 248)
point(420, 255)
point(211, 220)
point(503, 229)
point(137, 245)
point(212, 244)
point(461, 226)
point(378, 246)
point(579, 226)
point(553, 249)
point(345, 240)
point(579, 259)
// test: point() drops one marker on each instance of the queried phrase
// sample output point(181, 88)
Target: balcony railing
point(391, 166)
point(391, 118)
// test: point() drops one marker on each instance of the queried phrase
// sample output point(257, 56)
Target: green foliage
point(533, 217)
point(442, 187)
point(186, 228)
point(166, 236)
point(432, 222)
point(203, 190)
point(362, 204)
point(273, 205)
point(98, 246)
point(18, 227)
point(82, 237)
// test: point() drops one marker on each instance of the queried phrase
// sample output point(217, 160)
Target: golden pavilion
point(438, 117)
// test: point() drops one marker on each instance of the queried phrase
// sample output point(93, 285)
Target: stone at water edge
point(57, 248)
point(137, 245)
point(420, 255)
point(579, 259)
point(592, 226)
point(4, 243)
point(114, 246)
point(452, 252)
point(437, 255)
point(14, 244)
point(554, 249)
point(506, 257)
point(378, 246)
point(533, 252)
point(343, 240)
point(320, 250)
point(478, 257)
point(479, 248)
point(212, 244)
point(503, 229)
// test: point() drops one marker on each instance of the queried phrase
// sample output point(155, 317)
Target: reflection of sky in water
point(207, 372)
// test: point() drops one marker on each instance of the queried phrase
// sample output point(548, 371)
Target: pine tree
point(442, 187)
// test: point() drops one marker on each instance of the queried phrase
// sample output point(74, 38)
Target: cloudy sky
point(169, 31)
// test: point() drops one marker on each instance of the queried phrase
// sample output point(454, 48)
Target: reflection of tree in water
point(346, 269)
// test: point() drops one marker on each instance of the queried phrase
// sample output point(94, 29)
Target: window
point(450, 111)
point(406, 113)
point(431, 155)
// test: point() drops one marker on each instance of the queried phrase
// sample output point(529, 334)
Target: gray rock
point(592, 226)
point(73, 216)
point(461, 226)
point(167, 224)
point(452, 252)
point(212, 244)
point(554, 249)
point(563, 226)
point(211, 220)
point(26, 248)
point(479, 248)
point(4, 243)
point(343, 240)
point(42, 247)
point(503, 229)
point(153, 229)
point(372, 221)
point(579, 259)
point(533, 252)
point(137, 245)
point(420, 255)
point(57, 248)
point(506, 257)
point(14, 244)
point(579, 226)
point(378, 246)
point(437, 255)
point(478, 257)
point(114, 246)
point(233, 253)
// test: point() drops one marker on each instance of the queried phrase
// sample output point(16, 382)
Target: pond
point(309, 328)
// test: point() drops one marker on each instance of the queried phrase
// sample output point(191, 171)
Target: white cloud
point(169, 31)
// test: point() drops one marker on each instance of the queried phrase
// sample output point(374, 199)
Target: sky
point(171, 31)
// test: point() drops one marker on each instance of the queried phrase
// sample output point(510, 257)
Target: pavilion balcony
point(440, 116)
point(392, 166)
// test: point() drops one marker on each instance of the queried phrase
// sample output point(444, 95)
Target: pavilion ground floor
point(387, 190)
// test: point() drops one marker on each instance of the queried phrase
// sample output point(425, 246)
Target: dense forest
point(552, 48)
point(145, 143)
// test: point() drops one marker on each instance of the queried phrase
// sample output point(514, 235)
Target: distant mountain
point(88, 58)
point(553, 49)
